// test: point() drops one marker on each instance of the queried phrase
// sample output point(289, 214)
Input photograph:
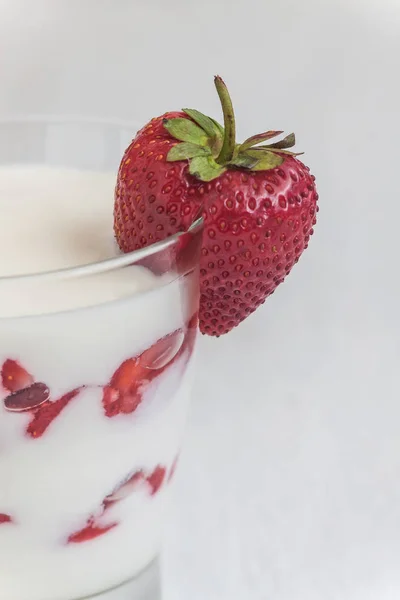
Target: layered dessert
point(95, 376)
point(95, 362)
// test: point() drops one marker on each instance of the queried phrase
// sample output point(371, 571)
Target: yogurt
point(95, 380)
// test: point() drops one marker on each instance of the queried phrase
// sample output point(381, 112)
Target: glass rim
point(107, 264)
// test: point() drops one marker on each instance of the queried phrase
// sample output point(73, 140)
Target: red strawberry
point(93, 528)
point(89, 532)
point(47, 412)
point(123, 394)
point(183, 256)
point(126, 375)
point(124, 489)
point(14, 377)
point(5, 518)
point(259, 204)
point(156, 479)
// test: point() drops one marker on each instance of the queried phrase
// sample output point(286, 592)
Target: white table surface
point(289, 486)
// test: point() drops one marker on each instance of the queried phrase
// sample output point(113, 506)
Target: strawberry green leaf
point(280, 151)
point(257, 139)
point(287, 142)
point(186, 150)
point(244, 160)
point(219, 127)
point(217, 144)
point(203, 121)
point(186, 131)
point(205, 168)
point(265, 159)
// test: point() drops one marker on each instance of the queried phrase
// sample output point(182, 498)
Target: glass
point(95, 375)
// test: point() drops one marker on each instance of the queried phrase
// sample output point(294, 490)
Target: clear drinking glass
point(95, 380)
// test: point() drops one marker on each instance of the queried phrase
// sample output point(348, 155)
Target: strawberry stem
point(228, 146)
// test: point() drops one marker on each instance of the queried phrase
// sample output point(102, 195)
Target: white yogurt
point(52, 486)
point(54, 218)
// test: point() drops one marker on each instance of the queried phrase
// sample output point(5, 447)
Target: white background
point(289, 486)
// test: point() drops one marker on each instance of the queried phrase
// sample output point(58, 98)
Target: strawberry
point(5, 518)
point(123, 394)
point(47, 412)
point(156, 479)
point(89, 532)
point(124, 489)
point(30, 396)
point(258, 201)
point(14, 377)
point(93, 528)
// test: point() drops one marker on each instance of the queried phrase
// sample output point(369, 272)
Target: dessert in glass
point(96, 360)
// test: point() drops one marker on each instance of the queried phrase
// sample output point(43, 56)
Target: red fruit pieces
point(28, 396)
point(4, 518)
point(90, 532)
point(45, 414)
point(14, 377)
point(124, 489)
point(156, 479)
point(111, 401)
point(123, 394)
point(127, 487)
point(126, 376)
point(116, 403)
point(153, 480)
